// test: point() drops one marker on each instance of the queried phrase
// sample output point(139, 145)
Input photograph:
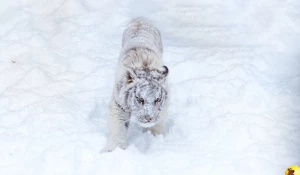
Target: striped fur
point(141, 92)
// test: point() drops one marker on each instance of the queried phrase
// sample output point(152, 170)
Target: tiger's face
point(146, 95)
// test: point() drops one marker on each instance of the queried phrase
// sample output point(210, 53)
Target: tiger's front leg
point(117, 128)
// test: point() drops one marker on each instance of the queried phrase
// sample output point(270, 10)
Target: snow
point(234, 80)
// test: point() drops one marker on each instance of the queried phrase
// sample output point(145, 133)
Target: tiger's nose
point(148, 118)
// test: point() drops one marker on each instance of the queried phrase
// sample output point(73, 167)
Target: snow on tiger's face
point(146, 94)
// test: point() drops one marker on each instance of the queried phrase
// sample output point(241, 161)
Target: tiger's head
point(145, 94)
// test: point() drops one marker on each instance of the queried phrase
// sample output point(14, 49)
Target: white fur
point(144, 39)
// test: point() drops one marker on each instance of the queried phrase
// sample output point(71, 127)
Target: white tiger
point(141, 91)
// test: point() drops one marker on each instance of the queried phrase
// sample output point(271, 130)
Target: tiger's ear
point(165, 71)
point(130, 75)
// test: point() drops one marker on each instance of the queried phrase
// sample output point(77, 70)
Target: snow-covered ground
point(234, 81)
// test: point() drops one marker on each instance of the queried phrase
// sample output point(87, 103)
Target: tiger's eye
point(157, 100)
point(140, 100)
